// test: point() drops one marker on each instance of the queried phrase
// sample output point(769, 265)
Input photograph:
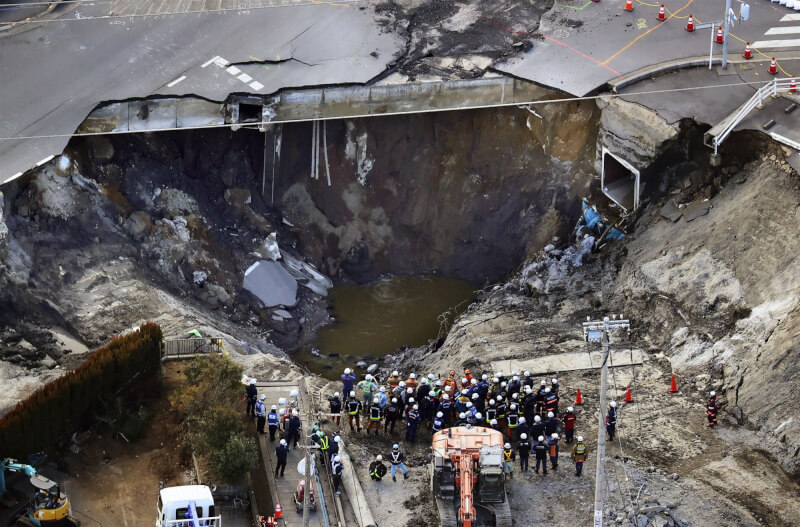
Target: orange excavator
point(467, 477)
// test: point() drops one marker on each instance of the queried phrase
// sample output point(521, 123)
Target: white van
point(187, 506)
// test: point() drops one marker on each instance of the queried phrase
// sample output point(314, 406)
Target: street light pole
point(727, 20)
point(598, 331)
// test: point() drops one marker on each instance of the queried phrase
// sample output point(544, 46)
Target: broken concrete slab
point(694, 210)
point(670, 211)
point(572, 361)
point(271, 284)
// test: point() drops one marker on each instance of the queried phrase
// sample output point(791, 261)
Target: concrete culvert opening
point(620, 181)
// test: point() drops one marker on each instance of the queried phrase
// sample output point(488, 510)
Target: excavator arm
point(466, 513)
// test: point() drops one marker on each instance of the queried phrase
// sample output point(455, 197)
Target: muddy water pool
point(377, 319)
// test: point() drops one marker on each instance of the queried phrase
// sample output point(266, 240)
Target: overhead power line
point(389, 114)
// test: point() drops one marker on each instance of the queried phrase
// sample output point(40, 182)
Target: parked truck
point(187, 506)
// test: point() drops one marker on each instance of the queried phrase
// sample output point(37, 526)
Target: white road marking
point(790, 18)
point(764, 44)
point(221, 62)
point(256, 85)
point(176, 81)
point(233, 70)
point(244, 77)
point(783, 30)
point(210, 62)
point(45, 160)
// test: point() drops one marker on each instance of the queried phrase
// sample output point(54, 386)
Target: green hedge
point(67, 403)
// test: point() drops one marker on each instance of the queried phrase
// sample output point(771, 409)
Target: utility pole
point(599, 331)
point(727, 20)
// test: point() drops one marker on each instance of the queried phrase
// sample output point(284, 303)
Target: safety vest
point(508, 453)
point(337, 469)
point(272, 419)
point(413, 418)
point(374, 473)
point(513, 420)
point(365, 386)
point(580, 449)
point(261, 409)
point(438, 423)
point(396, 458)
point(501, 410)
point(352, 407)
point(374, 413)
point(323, 442)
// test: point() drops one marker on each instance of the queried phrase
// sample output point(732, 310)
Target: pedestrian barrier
point(178, 348)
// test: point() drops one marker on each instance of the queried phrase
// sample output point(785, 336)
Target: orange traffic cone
point(578, 398)
point(690, 24)
point(747, 52)
point(720, 36)
point(792, 86)
point(673, 388)
point(662, 15)
point(773, 67)
point(628, 397)
point(629, 5)
point(278, 511)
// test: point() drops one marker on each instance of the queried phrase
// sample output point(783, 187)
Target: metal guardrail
point(771, 89)
point(191, 346)
point(215, 521)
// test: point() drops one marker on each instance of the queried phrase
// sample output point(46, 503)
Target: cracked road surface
point(55, 74)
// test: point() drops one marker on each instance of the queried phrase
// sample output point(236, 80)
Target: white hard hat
point(547, 390)
point(464, 380)
point(401, 384)
point(447, 388)
point(337, 458)
point(484, 377)
point(395, 446)
point(527, 373)
point(513, 406)
point(541, 438)
point(570, 409)
point(336, 394)
point(352, 394)
point(478, 415)
point(523, 436)
point(550, 414)
point(439, 414)
point(521, 420)
point(507, 445)
point(492, 401)
point(504, 384)
point(514, 373)
point(347, 371)
point(294, 393)
point(713, 394)
point(337, 439)
point(283, 442)
point(515, 395)
point(445, 397)
point(469, 404)
point(580, 438)
point(475, 395)
point(462, 415)
point(379, 458)
point(473, 381)
point(613, 404)
point(295, 413)
point(544, 383)
point(554, 381)
point(410, 390)
point(394, 399)
point(554, 436)
point(320, 433)
point(495, 379)
point(283, 411)
point(493, 422)
point(413, 376)
point(252, 381)
point(411, 399)
point(438, 383)
point(368, 377)
point(376, 400)
point(431, 376)
point(537, 419)
point(499, 374)
point(263, 397)
point(274, 407)
point(383, 389)
point(515, 378)
point(416, 407)
point(395, 373)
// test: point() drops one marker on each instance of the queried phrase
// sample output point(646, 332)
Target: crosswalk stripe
point(790, 18)
point(764, 44)
point(783, 30)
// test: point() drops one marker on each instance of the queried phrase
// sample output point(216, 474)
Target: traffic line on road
point(245, 78)
point(765, 44)
point(45, 160)
point(783, 30)
point(233, 70)
point(256, 85)
point(790, 18)
point(209, 62)
point(176, 81)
